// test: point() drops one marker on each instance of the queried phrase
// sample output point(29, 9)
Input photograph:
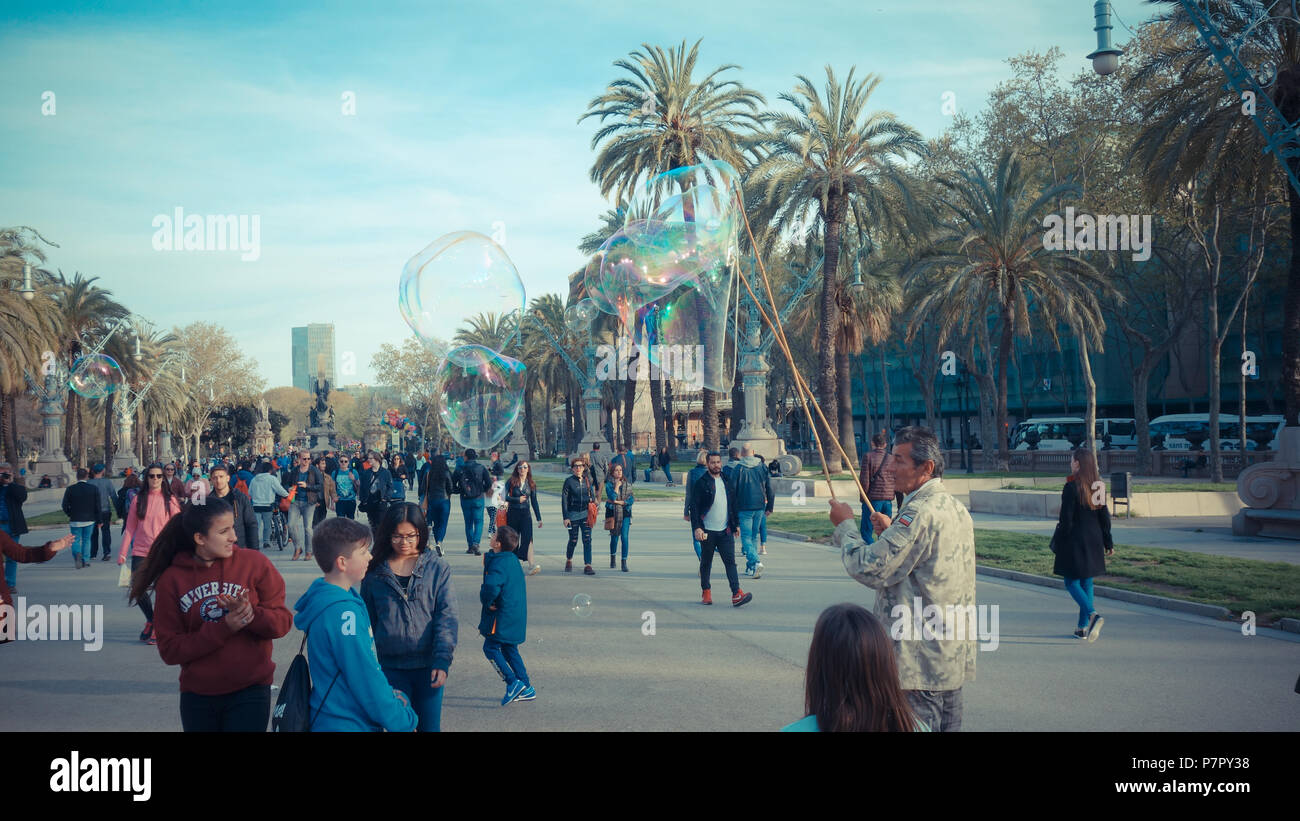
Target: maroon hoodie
point(190, 626)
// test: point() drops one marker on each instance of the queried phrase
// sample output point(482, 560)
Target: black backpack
point(470, 483)
point(293, 708)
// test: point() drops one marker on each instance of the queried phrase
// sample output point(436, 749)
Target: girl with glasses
point(412, 607)
point(154, 507)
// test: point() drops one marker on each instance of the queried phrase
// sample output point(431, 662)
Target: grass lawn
point(1270, 589)
point(553, 484)
point(54, 517)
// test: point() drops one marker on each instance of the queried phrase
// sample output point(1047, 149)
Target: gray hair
point(925, 446)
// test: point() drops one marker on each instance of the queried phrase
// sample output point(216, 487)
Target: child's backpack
point(293, 708)
point(242, 487)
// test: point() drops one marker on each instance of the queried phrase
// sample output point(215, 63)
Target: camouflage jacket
point(928, 553)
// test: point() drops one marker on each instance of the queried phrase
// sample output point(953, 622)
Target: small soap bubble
point(582, 605)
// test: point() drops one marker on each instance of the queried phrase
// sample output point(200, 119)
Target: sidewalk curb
point(1195, 608)
point(785, 534)
point(1289, 625)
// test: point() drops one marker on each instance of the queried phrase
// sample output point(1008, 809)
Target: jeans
point(885, 506)
point(81, 544)
point(941, 709)
point(439, 513)
point(1081, 591)
point(762, 529)
point(347, 508)
point(263, 525)
point(11, 566)
point(102, 538)
point(724, 544)
point(243, 711)
point(492, 521)
point(425, 700)
point(472, 510)
point(578, 524)
point(750, 522)
point(621, 532)
point(507, 661)
point(146, 606)
point(300, 526)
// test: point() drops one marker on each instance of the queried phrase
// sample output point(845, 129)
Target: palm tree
point(1194, 127)
point(87, 310)
point(28, 328)
point(662, 118)
point(989, 261)
point(833, 162)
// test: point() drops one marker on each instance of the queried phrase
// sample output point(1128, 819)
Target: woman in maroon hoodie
point(218, 609)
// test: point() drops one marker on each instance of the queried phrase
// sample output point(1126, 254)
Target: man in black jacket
point(376, 487)
point(12, 522)
point(245, 522)
point(472, 481)
point(81, 504)
point(716, 523)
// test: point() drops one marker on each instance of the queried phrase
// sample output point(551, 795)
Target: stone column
point(756, 429)
point(165, 446)
point(591, 407)
point(52, 461)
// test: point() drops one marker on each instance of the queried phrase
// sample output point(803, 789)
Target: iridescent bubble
point(582, 605)
point(482, 392)
point(459, 277)
point(685, 333)
point(716, 191)
point(96, 376)
point(580, 314)
point(648, 259)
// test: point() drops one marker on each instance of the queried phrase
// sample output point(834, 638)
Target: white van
point(1123, 433)
point(1174, 427)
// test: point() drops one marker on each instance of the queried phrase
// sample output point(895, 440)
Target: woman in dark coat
point(1082, 536)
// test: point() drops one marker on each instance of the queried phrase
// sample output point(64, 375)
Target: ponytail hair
point(177, 536)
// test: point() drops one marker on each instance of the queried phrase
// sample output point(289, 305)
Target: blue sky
point(466, 116)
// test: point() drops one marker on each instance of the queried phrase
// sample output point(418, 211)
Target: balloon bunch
point(393, 418)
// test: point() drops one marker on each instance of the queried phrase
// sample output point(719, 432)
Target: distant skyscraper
point(313, 353)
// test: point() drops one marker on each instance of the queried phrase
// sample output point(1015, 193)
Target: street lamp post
point(1105, 60)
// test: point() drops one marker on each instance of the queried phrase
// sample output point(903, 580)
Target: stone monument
point(756, 430)
point(321, 429)
point(52, 461)
point(263, 438)
point(1271, 491)
point(374, 437)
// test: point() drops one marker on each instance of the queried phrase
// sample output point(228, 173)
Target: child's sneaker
point(512, 692)
point(528, 694)
point(741, 597)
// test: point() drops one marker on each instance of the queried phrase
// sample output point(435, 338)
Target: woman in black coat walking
point(1082, 537)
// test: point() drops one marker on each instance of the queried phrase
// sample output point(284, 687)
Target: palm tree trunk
point(737, 406)
point(827, 395)
point(108, 432)
point(709, 419)
point(7, 425)
point(69, 419)
point(884, 386)
point(670, 421)
point(1004, 356)
point(629, 397)
point(657, 408)
point(844, 384)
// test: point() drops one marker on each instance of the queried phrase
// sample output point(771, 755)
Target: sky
point(464, 116)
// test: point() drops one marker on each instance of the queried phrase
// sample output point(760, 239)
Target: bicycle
point(279, 529)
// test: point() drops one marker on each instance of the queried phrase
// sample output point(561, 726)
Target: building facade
point(312, 354)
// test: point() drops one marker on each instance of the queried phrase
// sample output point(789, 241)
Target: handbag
point(609, 522)
point(288, 500)
point(501, 517)
point(591, 514)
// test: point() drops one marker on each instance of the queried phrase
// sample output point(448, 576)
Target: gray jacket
point(418, 628)
point(753, 485)
point(926, 554)
point(106, 493)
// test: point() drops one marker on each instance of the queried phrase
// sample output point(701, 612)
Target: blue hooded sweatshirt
point(341, 652)
point(503, 586)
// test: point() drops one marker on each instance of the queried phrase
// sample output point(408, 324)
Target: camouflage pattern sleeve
point(884, 563)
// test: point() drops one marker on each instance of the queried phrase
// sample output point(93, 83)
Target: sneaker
point(147, 631)
point(707, 598)
point(153, 639)
point(1081, 633)
point(438, 548)
point(762, 550)
point(528, 694)
point(568, 566)
point(758, 570)
point(741, 597)
point(1094, 627)
point(105, 558)
point(477, 552)
point(470, 550)
point(513, 692)
point(537, 568)
point(588, 571)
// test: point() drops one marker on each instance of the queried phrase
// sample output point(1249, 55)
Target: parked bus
point(1170, 432)
point(1055, 432)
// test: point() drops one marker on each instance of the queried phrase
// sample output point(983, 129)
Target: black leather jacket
point(574, 497)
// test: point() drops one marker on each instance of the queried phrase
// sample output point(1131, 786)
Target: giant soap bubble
point(482, 394)
point(459, 277)
point(95, 376)
point(685, 335)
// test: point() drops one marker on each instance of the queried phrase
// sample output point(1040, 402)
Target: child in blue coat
point(504, 620)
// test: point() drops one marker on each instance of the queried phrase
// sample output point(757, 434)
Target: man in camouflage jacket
point(925, 556)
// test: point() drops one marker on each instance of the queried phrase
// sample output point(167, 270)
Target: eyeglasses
point(414, 537)
point(153, 476)
point(169, 470)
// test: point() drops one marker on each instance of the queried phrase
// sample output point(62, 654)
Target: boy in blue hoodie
point(349, 690)
point(504, 620)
